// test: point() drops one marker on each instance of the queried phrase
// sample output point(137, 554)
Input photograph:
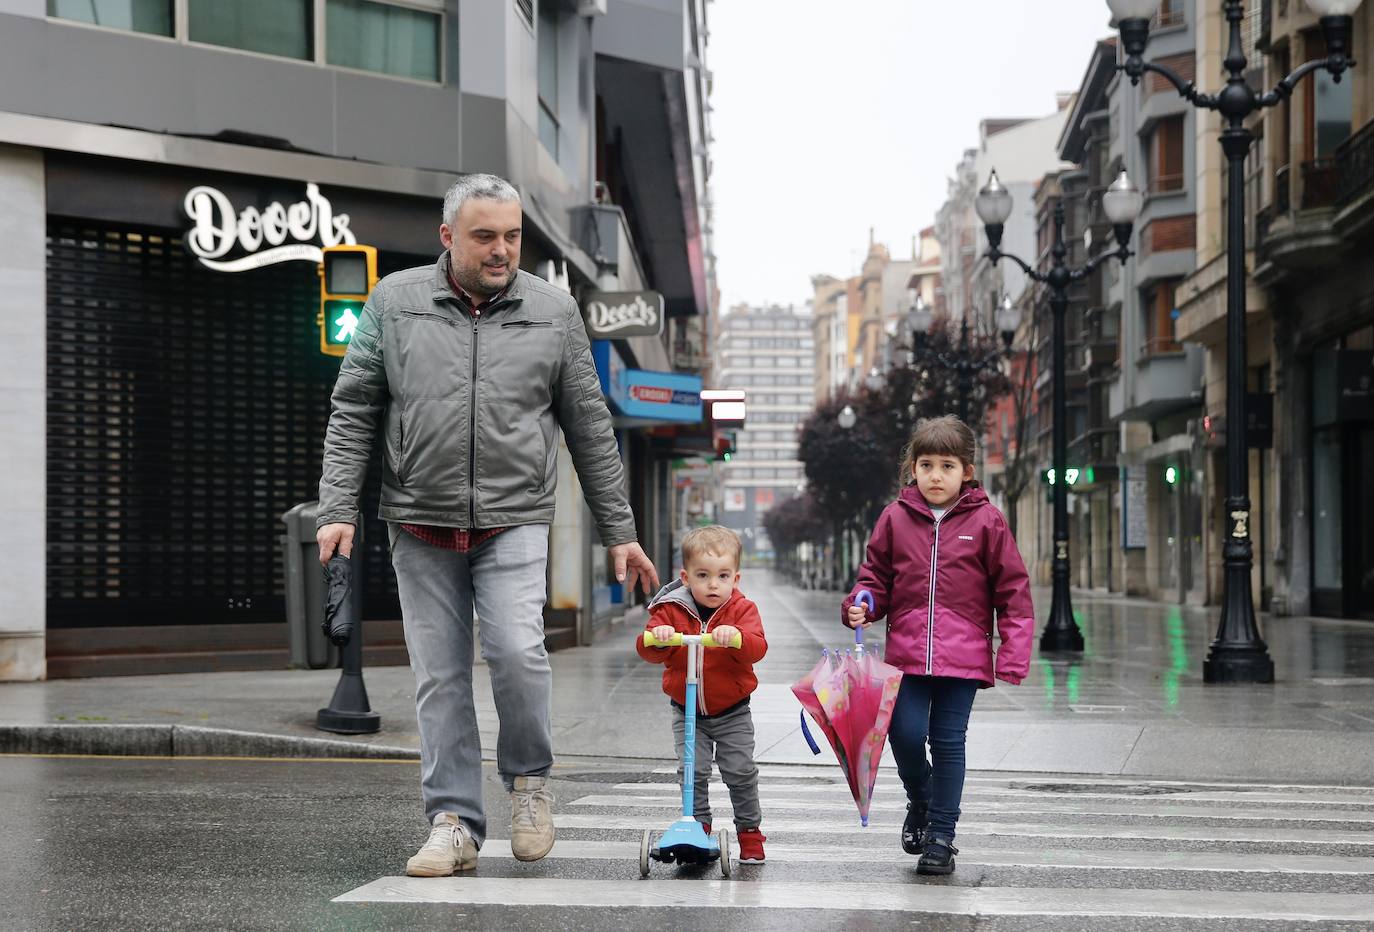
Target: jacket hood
point(678, 593)
point(971, 495)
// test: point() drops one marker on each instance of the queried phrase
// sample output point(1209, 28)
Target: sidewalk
point(1134, 704)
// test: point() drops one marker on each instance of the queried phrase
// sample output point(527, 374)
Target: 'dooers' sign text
point(262, 234)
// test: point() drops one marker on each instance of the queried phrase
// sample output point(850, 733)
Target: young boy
point(704, 599)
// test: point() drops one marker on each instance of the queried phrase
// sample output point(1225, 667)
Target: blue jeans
point(503, 580)
point(932, 709)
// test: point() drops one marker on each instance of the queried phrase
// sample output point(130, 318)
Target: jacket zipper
point(930, 609)
point(472, 426)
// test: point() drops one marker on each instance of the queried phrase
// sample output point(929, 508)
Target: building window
point(387, 39)
point(1166, 156)
point(153, 17)
point(548, 76)
point(1160, 315)
point(272, 27)
point(1329, 107)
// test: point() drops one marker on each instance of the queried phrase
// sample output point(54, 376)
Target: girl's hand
point(663, 633)
point(858, 615)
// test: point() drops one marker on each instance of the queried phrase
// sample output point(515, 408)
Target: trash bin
point(305, 591)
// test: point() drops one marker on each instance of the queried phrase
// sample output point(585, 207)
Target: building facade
point(768, 352)
point(169, 196)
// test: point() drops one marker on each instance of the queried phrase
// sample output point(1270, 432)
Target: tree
point(1018, 463)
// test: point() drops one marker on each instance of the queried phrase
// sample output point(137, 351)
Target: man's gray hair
point(478, 185)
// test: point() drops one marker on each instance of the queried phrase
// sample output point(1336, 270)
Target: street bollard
point(348, 712)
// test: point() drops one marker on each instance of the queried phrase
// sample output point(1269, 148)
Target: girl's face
point(939, 478)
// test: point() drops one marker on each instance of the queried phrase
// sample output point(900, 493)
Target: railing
point(1163, 184)
point(1355, 165)
point(1165, 18)
point(1320, 180)
point(1160, 346)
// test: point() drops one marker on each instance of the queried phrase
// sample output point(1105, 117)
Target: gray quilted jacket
point(470, 409)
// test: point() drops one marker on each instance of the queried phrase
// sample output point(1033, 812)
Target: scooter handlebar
point(677, 640)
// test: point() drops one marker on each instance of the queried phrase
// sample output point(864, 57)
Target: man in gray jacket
point(469, 368)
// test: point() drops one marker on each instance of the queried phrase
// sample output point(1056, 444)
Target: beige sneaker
point(531, 819)
point(450, 849)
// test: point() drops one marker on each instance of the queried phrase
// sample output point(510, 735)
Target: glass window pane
point(1326, 510)
point(273, 27)
point(548, 53)
point(388, 39)
point(150, 16)
point(1334, 104)
point(548, 131)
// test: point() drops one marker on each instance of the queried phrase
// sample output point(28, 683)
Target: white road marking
point(914, 897)
point(1146, 808)
point(1061, 858)
point(882, 824)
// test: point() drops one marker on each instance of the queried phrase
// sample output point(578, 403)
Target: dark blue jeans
point(934, 710)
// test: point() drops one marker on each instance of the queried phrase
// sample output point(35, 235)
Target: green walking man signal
point(347, 276)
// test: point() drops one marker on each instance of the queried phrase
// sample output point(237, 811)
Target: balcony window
point(272, 27)
point(387, 39)
point(153, 17)
point(1329, 107)
point(1166, 156)
point(1159, 316)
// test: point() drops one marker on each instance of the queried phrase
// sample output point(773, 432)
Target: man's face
point(711, 577)
point(484, 243)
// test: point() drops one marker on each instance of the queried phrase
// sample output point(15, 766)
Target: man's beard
point(472, 282)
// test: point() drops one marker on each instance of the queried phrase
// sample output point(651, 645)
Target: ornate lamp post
point(965, 363)
point(1238, 654)
point(1121, 203)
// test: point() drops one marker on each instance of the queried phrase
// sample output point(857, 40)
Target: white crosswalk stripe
point(1071, 847)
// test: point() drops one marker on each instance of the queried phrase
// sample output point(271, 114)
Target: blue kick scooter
point(685, 842)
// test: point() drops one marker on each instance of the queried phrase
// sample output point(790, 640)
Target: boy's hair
point(714, 539)
point(937, 436)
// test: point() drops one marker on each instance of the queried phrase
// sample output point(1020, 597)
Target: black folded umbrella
point(340, 609)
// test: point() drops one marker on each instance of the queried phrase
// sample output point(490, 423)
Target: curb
point(182, 741)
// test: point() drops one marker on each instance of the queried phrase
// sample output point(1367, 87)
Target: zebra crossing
point(1031, 845)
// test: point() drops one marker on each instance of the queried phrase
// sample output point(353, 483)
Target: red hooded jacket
point(726, 676)
point(939, 582)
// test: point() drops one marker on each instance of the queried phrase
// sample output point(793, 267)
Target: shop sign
point(276, 233)
point(616, 315)
point(662, 397)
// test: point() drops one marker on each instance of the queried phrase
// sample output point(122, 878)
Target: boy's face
point(939, 478)
point(711, 578)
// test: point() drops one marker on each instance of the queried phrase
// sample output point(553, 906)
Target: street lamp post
point(1121, 203)
point(965, 364)
point(1238, 654)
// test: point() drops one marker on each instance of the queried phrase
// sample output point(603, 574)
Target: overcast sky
point(827, 123)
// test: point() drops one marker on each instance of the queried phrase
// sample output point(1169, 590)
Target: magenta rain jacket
point(939, 582)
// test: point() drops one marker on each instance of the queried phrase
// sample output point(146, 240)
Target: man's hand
point(630, 557)
point(858, 615)
point(333, 537)
point(662, 633)
point(724, 635)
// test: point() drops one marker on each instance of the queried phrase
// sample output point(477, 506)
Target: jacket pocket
point(526, 323)
point(400, 470)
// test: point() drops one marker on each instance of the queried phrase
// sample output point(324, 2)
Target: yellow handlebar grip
point(676, 641)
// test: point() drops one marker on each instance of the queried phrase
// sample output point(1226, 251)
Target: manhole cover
point(1120, 789)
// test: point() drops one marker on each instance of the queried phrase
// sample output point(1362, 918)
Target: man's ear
point(446, 235)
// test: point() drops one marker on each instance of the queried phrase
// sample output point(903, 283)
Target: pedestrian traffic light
point(347, 276)
point(725, 445)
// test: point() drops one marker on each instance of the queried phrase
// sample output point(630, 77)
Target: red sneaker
point(751, 846)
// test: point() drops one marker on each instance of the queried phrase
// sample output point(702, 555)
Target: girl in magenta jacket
point(940, 562)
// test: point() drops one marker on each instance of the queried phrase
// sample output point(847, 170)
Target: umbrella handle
point(806, 733)
point(860, 597)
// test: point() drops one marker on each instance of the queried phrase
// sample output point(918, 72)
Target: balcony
point(1161, 384)
point(1331, 212)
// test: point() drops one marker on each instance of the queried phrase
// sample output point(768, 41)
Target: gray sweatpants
point(729, 740)
point(503, 578)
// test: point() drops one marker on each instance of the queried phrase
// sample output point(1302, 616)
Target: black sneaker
point(914, 828)
point(938, 856)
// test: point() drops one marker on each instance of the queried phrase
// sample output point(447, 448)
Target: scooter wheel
point(724, 837)
point(644, 844)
